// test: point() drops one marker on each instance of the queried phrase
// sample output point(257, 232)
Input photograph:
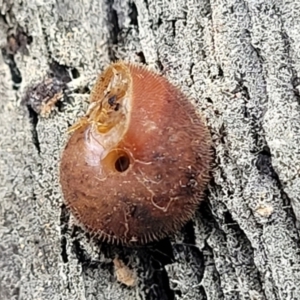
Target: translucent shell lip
point(106, 121)
point(135, 167)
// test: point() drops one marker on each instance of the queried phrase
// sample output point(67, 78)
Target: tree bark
point(238, 61)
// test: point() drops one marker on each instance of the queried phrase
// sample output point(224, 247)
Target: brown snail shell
point(135, 167)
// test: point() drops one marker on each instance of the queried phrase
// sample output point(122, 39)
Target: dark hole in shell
point(122, 163)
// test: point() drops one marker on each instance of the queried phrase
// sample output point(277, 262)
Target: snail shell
point(135, 167)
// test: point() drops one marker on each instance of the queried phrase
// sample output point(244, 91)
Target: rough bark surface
point(239, 62)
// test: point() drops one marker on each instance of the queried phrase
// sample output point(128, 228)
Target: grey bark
point(239, 62)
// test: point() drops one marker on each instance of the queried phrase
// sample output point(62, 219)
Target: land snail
point(135, 167)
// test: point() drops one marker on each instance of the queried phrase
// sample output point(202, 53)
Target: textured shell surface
point(136, 165)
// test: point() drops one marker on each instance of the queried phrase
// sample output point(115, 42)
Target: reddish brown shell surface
point(135, 167)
